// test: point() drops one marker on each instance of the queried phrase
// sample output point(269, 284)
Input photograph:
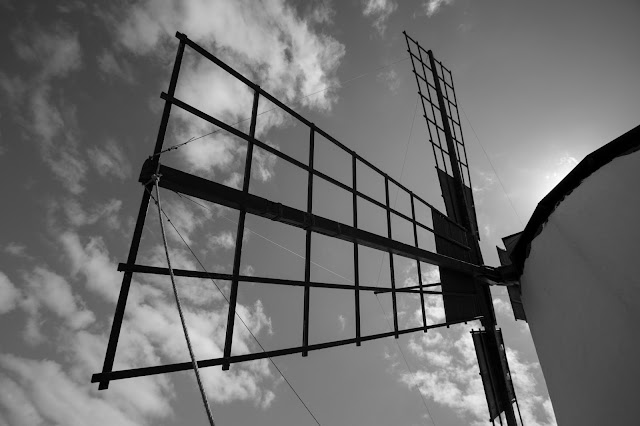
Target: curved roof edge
point(622, 145)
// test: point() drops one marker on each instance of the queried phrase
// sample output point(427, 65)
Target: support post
point(233, 295)
point(356, 261)
point(485, 299)
point(391, 266)
point(415, 237)
point(121, 304)
point(307, 257)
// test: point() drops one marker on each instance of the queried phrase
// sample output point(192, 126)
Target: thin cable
point(262, 236)
point(327, 269)
point(404, 161)
point(203, 393)
point(339, 84)
point(238, 315)
point(494, 169)
point(424, 402)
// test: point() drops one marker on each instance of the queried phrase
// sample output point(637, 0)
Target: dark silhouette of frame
point(455, 236)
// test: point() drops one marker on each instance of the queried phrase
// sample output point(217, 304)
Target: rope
point(182, 320)
point(237, 314)
point(327, 269)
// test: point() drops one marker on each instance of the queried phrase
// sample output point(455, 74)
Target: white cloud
point(52, 291)
point(225, 239)
point(13, 87)
point(379, 11)
point(431, 7)
point(322, 13)
point(267, 400)
point(268, 41)
point(430, 274)
point(17, 405)
point(249, 271)
point(343, 321)
point(503, 308)
point(152, 318)
point(9, 294)
point(151, 335)
point(47, 393)
point(77, 216)
point(448, 380)
point(50, 120)
point(92, 261)
point(118, 68)
point(563, 166)
point(390, 79)
point(185, 217)
point(54, 128)
point(234, 180)
point(449, 376)
point(263, 164)
point(109, 160)
point(56, 51)
point(15, 249)
point(432, 338)
point(484, 181)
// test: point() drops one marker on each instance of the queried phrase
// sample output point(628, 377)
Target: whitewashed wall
point(581, 294)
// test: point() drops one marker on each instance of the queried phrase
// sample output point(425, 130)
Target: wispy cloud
point(15, 249)
point(54, 127)
point(379, 11)
point(563, 166)
point(47, 391)
point(110, 160)
point(55, 53)
point(390, 79)
point(343, 321)
point(225, 240)
point(50, 290)
point(293, 56)
point(78, 216)
point(503, 308)
point(9, 294)
point(118, 68)
point(431, 7)
point(449, 377)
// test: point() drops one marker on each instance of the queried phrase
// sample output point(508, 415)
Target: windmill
point(464, 279)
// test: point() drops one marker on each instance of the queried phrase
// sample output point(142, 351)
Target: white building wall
point(581, 294)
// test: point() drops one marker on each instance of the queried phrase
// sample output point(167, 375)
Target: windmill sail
point(440, 108)
point(451, 237)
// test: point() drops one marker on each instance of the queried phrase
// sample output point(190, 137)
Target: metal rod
point(144, 269)
point(413, 287)
point(391, 266)
point(204, 189)
point(307, 258)
point(169, 368)
point(177, 102)
point(121, 304)
point(415, 237)
point(356, 261)
point(233, 294)
point(183, 322)
point(519, 414)
point(457, 177)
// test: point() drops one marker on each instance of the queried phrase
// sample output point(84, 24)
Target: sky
point(541, 84)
